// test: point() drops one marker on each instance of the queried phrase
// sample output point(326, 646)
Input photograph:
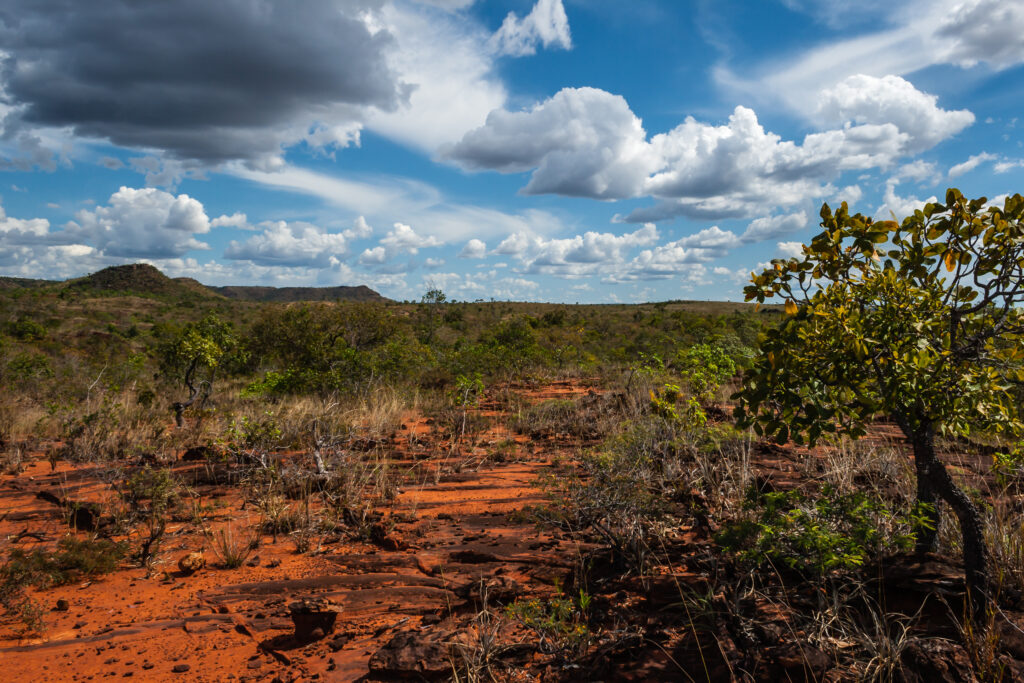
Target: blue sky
point(552, 150)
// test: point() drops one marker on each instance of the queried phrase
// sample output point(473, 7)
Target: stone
point(803, 661)
point(338, 643)
point(498, 590)
point(199, 453)
point(181, 668)
point(191, 563)
point(934, 661)
point(386, 540)
point(313, 618)
point(62, 605)
point(414, 655)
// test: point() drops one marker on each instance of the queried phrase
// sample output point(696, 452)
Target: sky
point(590, 151)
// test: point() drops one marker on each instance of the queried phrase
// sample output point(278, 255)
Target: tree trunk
point(976, 560)
point(927, 538)
point(179, 413)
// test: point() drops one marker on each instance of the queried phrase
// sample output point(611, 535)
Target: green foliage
point(429, 314)
point(150, 495)
point(705, 367)
point(467, 391)
point(669, 403)
point(151, 491)
point(25, 329)
point(262, 433)
point(832, 532)
point(1008, 467)
point(326, 348)
point(917, 320)
point(648, 365)
point(29, 366)
point(73, 559)
point(559, 623)
point(204, 346)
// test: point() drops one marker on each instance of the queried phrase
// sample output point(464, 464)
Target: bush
point(587, 419)
point(559, 623)
point(624, 494)
point(834, 532)
point(151, 494)
point(73, 559)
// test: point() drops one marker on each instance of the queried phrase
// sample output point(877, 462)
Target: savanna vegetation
point(823, 484)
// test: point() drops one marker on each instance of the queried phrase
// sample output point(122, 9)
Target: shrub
point(559, 623)
point(623, 494)
point(73, 559)
point(705, 367)
point(231, 551)
point(151, 494)
point(833, 532)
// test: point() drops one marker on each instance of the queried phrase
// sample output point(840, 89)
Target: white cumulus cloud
point(474, 249)
point(403, 239)
point(990, 31)
point(770, 227)
point(587, 142)
point(582, 142)
point(143, 223)
point(862, 99)
point(236, 220)
point(547, 25)
point(900, 207)
point(290, 244)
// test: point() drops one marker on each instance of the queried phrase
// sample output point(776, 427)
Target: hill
point(147, 280)
point(23, 283)
point(289, 294)
point(139, 278)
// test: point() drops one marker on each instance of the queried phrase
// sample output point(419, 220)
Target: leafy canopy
point(203, 346)
point(918, 320)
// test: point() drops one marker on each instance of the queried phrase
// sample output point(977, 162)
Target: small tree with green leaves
point(430, 314)
point(193, 355)
point(916, 321)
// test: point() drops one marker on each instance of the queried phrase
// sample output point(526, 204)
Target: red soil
point(451, 528)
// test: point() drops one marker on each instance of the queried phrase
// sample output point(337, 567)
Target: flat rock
point(414, 655)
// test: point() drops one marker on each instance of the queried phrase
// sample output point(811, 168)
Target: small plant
point(151, 494)
point(705, 367)
point(833, 532)
point(250, 439)
point(30, 615)
point(232, 551)
point(1008, 467)
point(72, 559)
point(670, 404)
point(584, 419)
point(560, 623)
point(467, 391)
point(625, 495)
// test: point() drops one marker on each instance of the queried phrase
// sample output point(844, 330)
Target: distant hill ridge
point(143, 278)
point(285, 294)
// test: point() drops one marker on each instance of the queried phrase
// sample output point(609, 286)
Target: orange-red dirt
point(451, 528)
point(455, 524)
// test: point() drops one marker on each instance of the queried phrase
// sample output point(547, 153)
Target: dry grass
point(230, 547)
point(379, 414)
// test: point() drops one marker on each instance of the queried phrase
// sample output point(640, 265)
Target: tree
point(917, 322)
point(329, 347)
point(429, 313)
point(193, 356)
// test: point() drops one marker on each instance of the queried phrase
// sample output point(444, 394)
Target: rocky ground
point(421, 595)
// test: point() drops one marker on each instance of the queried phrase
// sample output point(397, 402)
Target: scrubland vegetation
point(824, 489)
